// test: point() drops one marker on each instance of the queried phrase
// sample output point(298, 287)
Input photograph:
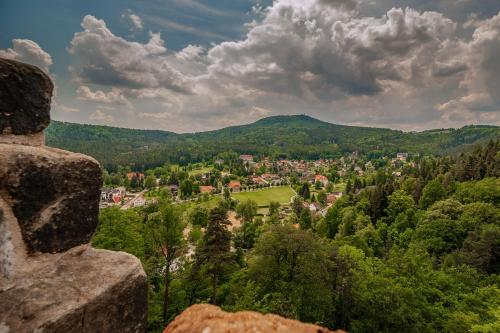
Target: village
point(246, 177)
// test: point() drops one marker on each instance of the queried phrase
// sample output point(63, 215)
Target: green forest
point(294, 137)
point(415, 253)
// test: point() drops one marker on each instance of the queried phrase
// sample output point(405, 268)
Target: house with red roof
point(322, 179)
point(207, 189)
point(331, 198)
point(139, 175)
point(117, 198)
point(257, 180)
point(234, 186)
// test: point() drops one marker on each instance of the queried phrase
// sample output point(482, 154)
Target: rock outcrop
point(205, 318)
point(51, 279)
point(25, 94)
point(54, 195)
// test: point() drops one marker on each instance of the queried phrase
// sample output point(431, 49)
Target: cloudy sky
point(193, 65)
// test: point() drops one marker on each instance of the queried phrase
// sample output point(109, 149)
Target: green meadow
point(282, 194)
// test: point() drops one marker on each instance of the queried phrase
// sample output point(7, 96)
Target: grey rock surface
point(81, 290)
point(25, 94)
point(54, 195)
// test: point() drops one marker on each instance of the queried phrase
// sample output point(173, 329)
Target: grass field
point(199, 170)
point(262, 197)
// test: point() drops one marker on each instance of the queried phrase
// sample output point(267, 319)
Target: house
point(402, 156)
point(270, 177)
point(246, 158)
point(139, 201)
point(314, 207)
point(308, 177)
point(121, 190)
point(219, 161)
point(139, 175)
point(113, 195)
point(234, 186)
point(257, 180)
point(105, 194)
point(116, 198)
point(322, 179)
point(331, 198)
point(207, 189)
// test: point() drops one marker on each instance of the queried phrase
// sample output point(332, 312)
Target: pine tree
point(215, 253)
point(305, 192)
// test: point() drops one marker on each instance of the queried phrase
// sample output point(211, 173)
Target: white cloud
point(162, 115)
point(136, 21)
point(481, 83)
point(65, 108)
point(190, 52)
point(28, 51)
point(102, 117)
point(106, 59)
point(258, 112)
point(115, 96)
point(320, 50)
point(173, 25)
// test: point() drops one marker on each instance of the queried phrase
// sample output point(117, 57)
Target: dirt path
point(235, 223)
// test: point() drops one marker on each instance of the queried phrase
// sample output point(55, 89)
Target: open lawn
point(199, 170)
point(262, 197)
point(212, 202)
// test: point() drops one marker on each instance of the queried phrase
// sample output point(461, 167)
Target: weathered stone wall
point(51, 280)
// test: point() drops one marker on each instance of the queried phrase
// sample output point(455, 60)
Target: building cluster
point(262, 172)
point(114, 196)
point(119, 197)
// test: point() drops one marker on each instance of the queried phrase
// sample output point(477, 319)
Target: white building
point(139, 201)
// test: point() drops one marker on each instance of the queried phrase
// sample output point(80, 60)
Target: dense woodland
point(415, 253)
point(294, 137)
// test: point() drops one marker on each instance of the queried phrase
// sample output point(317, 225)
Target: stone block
point(25, 95)
point(54, 195)
point(81, 290)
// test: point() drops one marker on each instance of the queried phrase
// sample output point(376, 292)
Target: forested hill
point(287, 136)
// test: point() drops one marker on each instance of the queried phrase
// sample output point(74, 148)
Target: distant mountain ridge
point(297, 136)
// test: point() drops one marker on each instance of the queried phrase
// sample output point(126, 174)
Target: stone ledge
point(206, 318)
point(81, 290)
point(35, 139)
